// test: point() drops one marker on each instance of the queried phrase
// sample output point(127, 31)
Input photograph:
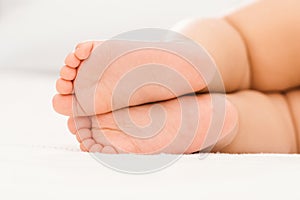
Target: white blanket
point(39, 159)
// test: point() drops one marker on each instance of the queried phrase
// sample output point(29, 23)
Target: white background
point(37, 34)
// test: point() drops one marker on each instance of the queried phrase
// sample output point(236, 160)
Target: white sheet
point(39, 159)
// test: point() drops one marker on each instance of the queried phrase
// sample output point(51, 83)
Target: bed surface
point(39, 159)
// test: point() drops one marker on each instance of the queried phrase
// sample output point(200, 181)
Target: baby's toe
point(78, 123)
point(85, 145)
point(109, 150)
point(72, 61)
point(83, 134)
point(96, 148)
point(63, 104)
point(68, 73)
point(83, 50)
point(64, 86)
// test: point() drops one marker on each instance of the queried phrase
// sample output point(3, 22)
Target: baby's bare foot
point(68, 73)
point(81, 88)
point(113, 133)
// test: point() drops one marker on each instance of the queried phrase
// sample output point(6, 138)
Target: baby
point(257, 52)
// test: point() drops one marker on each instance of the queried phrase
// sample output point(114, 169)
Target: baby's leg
point(265, 125)
point(255, 47)
point(293, 98)
point(265, 122)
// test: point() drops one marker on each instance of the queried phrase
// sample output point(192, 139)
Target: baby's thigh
point(265, 123)
point(293, 98)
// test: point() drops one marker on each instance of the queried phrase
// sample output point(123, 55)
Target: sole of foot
point(138, 129)
point(140, 76)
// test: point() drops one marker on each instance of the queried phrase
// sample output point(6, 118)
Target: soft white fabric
point(45, 173)
point(39, 159)
point(39, 33)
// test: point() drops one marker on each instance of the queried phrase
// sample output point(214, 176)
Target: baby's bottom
point(267, 122)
